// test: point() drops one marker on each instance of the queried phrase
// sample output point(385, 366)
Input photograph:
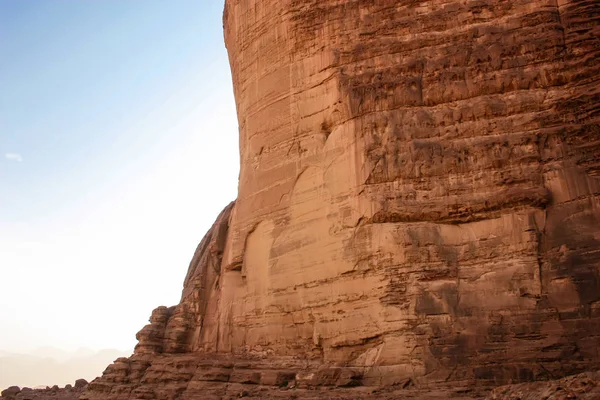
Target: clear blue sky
point(118, 146)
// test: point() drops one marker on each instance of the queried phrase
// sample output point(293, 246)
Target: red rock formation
point(419, 200)
point(176, 329)
point(584, 386)
point(54, 393)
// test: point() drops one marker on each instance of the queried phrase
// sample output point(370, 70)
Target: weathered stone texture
point(69, 392)
point(419, 189)
point(419, 197)
point(585, 386)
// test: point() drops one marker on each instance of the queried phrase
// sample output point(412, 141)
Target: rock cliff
point(419, 203)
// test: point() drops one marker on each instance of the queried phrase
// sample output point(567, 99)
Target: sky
point(118, 149)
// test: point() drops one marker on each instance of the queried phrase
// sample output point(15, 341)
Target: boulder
point(10, 392)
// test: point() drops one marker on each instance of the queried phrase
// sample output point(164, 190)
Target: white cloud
point(14, 157)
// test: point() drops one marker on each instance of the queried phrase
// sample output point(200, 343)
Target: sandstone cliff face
point(419, 189)
point(419, 198)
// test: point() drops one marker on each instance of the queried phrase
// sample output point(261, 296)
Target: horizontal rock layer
point(419, 197)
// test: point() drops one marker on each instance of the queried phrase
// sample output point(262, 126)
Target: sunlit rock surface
point(419, 206)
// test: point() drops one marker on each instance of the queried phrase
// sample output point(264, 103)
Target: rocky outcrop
point(10, 392)
point(176, 329)
point(69, 392)
point(230, 379)
point(419, 201)
point(584, 386)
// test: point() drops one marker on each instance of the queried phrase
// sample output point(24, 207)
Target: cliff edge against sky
point(419, 203)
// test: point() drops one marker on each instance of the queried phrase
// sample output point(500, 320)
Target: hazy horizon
point(57, 352)
point(119, 147)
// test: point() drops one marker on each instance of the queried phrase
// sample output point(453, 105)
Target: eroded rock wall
point(419, 190)
point(419, 199)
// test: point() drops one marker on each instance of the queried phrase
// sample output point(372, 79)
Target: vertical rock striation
point(419, 201)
